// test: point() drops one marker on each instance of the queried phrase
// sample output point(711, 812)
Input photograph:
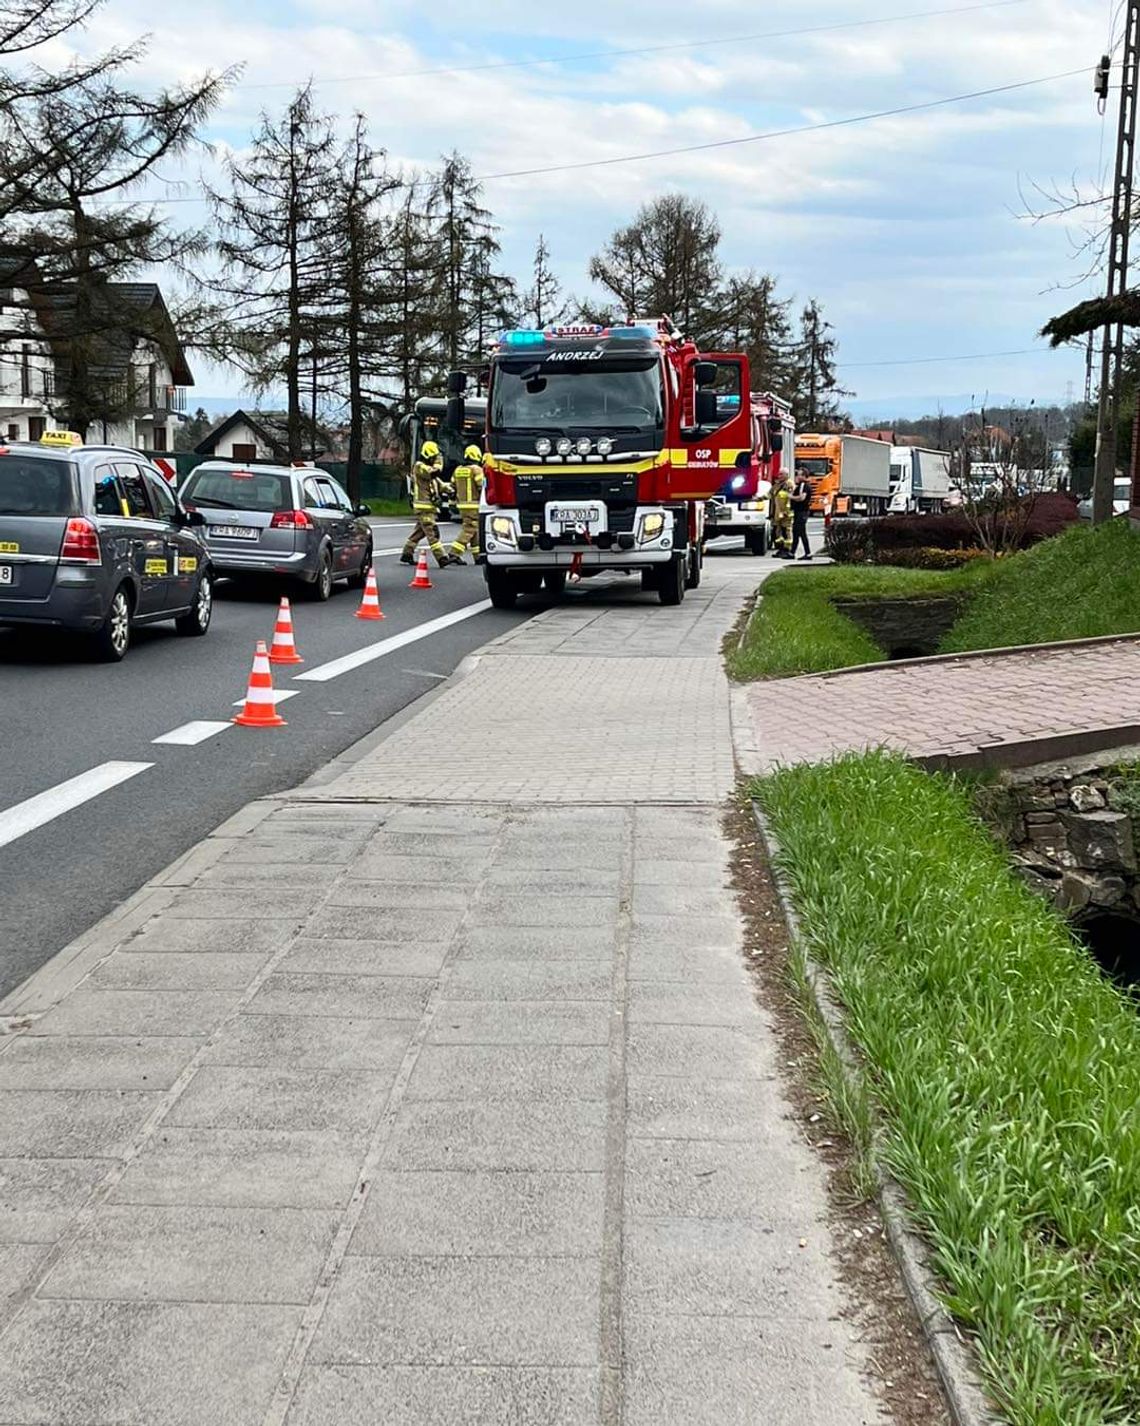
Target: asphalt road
point(64, 717)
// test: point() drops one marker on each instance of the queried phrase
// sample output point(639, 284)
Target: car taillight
point(290, 520)
point(81, 543)
point(501, 489)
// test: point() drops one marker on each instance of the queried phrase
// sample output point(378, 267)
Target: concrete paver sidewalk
point(424, 1105)
point(952, 707)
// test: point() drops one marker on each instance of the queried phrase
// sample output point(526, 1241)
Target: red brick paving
point(955, 707)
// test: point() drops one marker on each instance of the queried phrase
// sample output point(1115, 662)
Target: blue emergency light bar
point(532, 337)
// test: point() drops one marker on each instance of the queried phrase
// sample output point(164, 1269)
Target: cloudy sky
point(909, 229)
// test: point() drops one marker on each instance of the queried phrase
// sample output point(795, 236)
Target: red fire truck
point(603, 446)
point(774, 440)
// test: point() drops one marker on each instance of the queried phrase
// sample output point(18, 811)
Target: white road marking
point(395, 550)
point(323, 672)
point(279, 696)
point(45, 807)
point(189, 734)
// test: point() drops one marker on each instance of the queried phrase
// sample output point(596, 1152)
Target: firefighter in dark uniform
point(468, 481)
point(426, 474)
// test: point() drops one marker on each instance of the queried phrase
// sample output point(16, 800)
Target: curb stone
point(950, 1351)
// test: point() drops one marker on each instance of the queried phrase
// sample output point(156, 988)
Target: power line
point(643, 49)
point(785, 133)
point(731, 143)
point(925, 361)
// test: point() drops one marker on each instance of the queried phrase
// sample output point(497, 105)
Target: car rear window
point(36, 485)
point(238, 490)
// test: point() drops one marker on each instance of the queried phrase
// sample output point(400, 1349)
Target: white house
point(27, 367)
point(152, 375)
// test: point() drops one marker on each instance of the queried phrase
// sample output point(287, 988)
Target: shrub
point(860, 541)
point(929, 557)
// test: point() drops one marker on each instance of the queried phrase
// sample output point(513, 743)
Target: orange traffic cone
point(421, 580)
point(260, 710)
point(284, 650)
point(370, 604)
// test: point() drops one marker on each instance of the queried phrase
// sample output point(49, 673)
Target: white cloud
point(904, 227)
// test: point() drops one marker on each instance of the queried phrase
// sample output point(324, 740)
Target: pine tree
point(73, 251)
point(758, 323)
point(819, 390)
point(666, 262)
point(543, 305)
point(272, 284)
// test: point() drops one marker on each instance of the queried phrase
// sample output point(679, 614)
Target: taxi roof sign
point(61, 438)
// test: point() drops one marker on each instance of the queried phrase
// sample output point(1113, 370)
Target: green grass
point(390, 507)
point(1078, 585)
point(796, 629)
point(1006, 1070)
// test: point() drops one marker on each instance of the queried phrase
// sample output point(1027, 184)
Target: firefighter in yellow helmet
point(426, 472)
point(780, 513)
point(468, 479)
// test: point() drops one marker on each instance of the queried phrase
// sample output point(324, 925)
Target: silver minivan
point(280, 520)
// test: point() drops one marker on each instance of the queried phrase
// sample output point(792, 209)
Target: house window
point(238, 451)
point(37, 425)
point(160, 438)
point(13, 433)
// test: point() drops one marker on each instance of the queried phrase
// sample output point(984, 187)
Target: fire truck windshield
point(548, 397)
point(812, 467)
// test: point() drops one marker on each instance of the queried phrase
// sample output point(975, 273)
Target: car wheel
point(696, 564)
point(360, 578)
point(196, 621)
point(555, 582)
point(501, 588)
point(649, 580)
point(672, 587)
point(322, 587)
point(113, 639)
point(757, 541)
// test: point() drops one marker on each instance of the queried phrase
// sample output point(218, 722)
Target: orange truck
point(849, 475)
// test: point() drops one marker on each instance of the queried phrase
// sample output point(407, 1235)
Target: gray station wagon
point(93, 539)
point(280, 520)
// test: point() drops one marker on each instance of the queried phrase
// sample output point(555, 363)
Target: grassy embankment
point(1080, 584)
point(1006, 1072)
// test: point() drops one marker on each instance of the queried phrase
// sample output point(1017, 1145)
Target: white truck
point(920, 480)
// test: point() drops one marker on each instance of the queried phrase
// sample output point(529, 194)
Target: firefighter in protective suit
point(426, 473)
point(781, 515)
point(468, 480)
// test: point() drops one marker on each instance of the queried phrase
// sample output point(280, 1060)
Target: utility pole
point(1113, 343)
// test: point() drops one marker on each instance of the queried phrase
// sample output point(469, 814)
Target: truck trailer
point(920, 480)
point(603, 446)
point(849, 475)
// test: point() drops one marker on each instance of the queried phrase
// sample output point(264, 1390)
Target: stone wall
point(1071, 839)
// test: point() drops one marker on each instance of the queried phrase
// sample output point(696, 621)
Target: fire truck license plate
point(587, 515)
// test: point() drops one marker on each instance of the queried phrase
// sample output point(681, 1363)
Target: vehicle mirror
point(456, 383)
point(194, 518)
point(707, 414)
point(705, 373)
point(455, 410)
point(361, 509)
point(777, 442)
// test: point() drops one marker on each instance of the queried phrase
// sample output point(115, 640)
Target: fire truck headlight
point(738, 482)
point(565, 446)
point(650, 527)
point(543, 446)
point(604, 446)
point(584, 446)
point(503, 528)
